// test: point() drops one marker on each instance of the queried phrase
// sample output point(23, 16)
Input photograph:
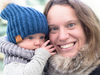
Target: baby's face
point(33, 41)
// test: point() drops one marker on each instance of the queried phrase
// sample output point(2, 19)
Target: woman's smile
point(67, 45)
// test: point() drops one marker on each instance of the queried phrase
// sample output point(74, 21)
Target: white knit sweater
point(34, 67)
point(19, 61)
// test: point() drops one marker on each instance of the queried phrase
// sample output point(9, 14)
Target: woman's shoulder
point(96, 71)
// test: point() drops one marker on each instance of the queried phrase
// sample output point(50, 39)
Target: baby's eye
point(30, 37)
point(71, 25)
point(42, 37)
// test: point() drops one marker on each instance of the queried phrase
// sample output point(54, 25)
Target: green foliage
point(3, 26)
point(42, 2)
point(36, 2)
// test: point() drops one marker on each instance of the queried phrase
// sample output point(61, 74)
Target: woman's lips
point(66, 47)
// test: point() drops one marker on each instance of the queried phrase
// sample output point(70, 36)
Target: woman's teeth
point(67, 46)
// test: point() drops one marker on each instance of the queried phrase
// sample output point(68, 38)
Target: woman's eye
point(42, 37)
point(53, 29)
point(30, 37)
point(71, 25)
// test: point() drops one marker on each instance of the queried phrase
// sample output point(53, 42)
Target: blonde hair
point(89, 20)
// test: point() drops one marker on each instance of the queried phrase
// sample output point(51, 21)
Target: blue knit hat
point(23, 21)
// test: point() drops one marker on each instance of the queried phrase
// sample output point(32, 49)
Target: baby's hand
point(49, 48)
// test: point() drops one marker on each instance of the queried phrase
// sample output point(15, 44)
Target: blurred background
point(39, 5)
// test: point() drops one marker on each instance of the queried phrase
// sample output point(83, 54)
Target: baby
point(27, 28)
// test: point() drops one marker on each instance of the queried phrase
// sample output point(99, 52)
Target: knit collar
point(78, 65)
point(11, 49)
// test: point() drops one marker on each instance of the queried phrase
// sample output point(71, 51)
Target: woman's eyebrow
point(72, 21)
point(51, 25)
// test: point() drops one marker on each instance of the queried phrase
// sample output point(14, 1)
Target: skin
point(35, 41)
point(66, 31)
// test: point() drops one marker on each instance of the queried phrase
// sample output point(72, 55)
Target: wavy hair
point(89, 20)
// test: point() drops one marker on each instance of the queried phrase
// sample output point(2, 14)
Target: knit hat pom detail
point(4, 3)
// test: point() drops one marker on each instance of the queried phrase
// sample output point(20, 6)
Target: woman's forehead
point(61, 13)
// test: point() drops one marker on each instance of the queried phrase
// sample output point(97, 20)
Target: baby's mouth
point(67, 46)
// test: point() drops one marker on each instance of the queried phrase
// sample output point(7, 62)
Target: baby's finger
point(49, 46)
point(53, 53)
point(52, 49)
point(45, 44)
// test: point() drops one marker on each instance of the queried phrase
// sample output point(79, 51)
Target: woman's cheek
point(52, 38)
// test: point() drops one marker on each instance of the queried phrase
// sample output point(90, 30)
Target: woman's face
point(66, 31)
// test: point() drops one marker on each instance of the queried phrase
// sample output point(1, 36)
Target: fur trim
point(78, 65)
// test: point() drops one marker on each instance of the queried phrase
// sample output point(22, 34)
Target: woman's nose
point(63, 34)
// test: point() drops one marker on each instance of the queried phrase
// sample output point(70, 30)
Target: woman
point(74, 31)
